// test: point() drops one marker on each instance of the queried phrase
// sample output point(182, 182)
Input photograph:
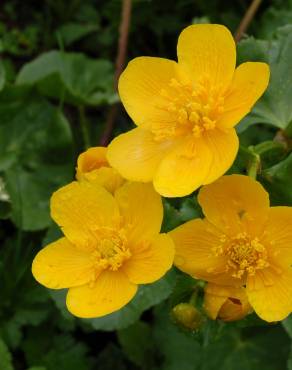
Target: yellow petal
point(213, 304)
point(233, 310)
point(141, 210)
point(80, 208)
point(61, 265)
point(111, 291)
point(92, 165)
point(195, 252)
point(136, 155)
point(224, 147)
point(208, 51)
point(90, 160)
point(235, 203)
point(278, 235)
point(150, 260)
point(225, 302)
point(270, 294)
point(249, 83)
point(184, 169)
point(140, 87)
point(107, 177)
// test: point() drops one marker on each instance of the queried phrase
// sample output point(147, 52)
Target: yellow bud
point(226, 303)
point(187, 316)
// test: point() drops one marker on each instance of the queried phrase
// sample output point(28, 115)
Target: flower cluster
point(111, 216)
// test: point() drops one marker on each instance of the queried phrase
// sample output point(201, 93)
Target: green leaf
point(5, 357)
point(71, 77)
point(278, 182)
point(137, 343)
point(72, 32)
point(112, 357)
point(37, 139)
point(147, 296)
point(287, 325)
point(190, 209)
point(175, 214)
point(2, 76)
point(274, 108)
point(179, 350)
point(238, 350)
point(171, 216)
point(273, 18)
point(54, 351)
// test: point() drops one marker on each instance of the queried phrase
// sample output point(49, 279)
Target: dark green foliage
point(56, 88)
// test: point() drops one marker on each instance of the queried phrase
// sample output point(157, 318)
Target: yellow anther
point(174, 83)
point(182, 115)
point(246, 255)
point(195, 109)
point(194, 117)
point(197, 131)
point(111, 249)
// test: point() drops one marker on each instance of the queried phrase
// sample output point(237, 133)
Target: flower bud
point(226, 303)
point(93, 166)
point(187, 316)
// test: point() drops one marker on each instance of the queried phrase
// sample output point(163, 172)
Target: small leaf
point(72, 32)
point(278, 182)
point(137, 343)
point(5, 357)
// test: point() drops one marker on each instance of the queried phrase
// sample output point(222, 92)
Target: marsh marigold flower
point(93, 166)
point(111, 244)
point(186, 112)
point(242, 241)
point(226, 303)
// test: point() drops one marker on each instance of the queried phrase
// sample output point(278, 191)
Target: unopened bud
point(187, 316)
point(226, 303)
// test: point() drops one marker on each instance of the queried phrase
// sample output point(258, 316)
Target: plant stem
point(247, 18)
point(120, 62)
point(254, 165)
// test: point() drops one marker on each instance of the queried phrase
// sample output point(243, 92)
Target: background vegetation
point(56, 99)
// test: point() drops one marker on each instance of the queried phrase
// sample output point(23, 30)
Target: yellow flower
point(110, 245)
point(93, 166)
point(226, 303)
point(186, 112)
point(241, 242)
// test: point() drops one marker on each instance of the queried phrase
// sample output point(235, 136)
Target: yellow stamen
point(111, 250)
point(195, 109)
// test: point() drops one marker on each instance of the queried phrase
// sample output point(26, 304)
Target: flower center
point(193, 109)
point(111, 250)
point(244, 255)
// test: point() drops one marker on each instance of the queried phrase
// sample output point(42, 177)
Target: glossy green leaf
point(236, 350)
point(72, 32)
point(278, 181)
point(70, 77)
point(274, 108)
point(37, 139)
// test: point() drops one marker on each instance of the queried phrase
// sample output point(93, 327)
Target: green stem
point(84, 127)
point(193, 298)
point(254, 165)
